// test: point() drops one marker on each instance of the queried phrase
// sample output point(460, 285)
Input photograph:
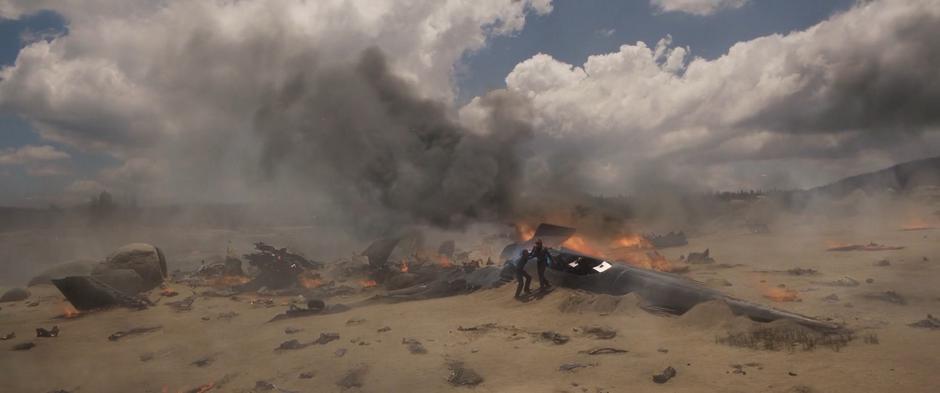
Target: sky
point(441, 110)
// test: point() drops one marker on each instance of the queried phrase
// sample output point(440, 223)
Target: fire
point(227, 281)
point(309, 282)
point(917, 224)
point(579, 244)
point(778, 294)
point(444, 261)
point(404, 266)
point(524, 231)
point(368, 283)
point(69, 312)
point(632, 241)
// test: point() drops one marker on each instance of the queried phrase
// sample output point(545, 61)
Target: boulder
point(15, 295)
point(147, 260)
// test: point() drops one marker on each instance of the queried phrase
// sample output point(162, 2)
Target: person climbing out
point(523, 278)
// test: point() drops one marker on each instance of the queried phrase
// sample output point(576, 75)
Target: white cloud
point(30, 154)
point(857, 83)
point(696, 7)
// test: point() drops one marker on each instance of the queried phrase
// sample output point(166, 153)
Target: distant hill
point(901, 177)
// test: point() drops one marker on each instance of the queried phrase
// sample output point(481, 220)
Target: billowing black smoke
point(368, 140)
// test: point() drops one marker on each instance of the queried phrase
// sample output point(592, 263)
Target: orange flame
point(69, 312)
point(632, 241)
point(309, 282)
point(226, 281)
point(778, 294)
point(368, 283)
point(404, 266)
point(524, 231)
point(444, 261)
point(579, 244)
point(917, 224)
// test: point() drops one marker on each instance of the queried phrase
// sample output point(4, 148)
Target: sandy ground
point(509, 359)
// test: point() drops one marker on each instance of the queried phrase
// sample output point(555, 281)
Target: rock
point(147, 260)
point(665, 376)
point(307, 375)
point(462, 376)
point(15, 295)
point(290, 330)
point(383, 329)
point(74, 268)
point(414, 346)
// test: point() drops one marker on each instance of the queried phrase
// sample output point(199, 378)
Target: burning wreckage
point(136, 268)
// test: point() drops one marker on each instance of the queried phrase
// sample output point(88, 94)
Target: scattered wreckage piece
point(278, 268)
point(569, 367)
point(133, 331)
point(699, 258)
point(88, 293)
point(931, 322)
point(314, 307)
point(842, 282)
point(604, 351)
point(43, 332)
point(183, 305)
point(24, 346)
point(864, 247)
point(671, 239)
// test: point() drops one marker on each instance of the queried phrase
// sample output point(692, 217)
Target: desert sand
point(238, 350)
